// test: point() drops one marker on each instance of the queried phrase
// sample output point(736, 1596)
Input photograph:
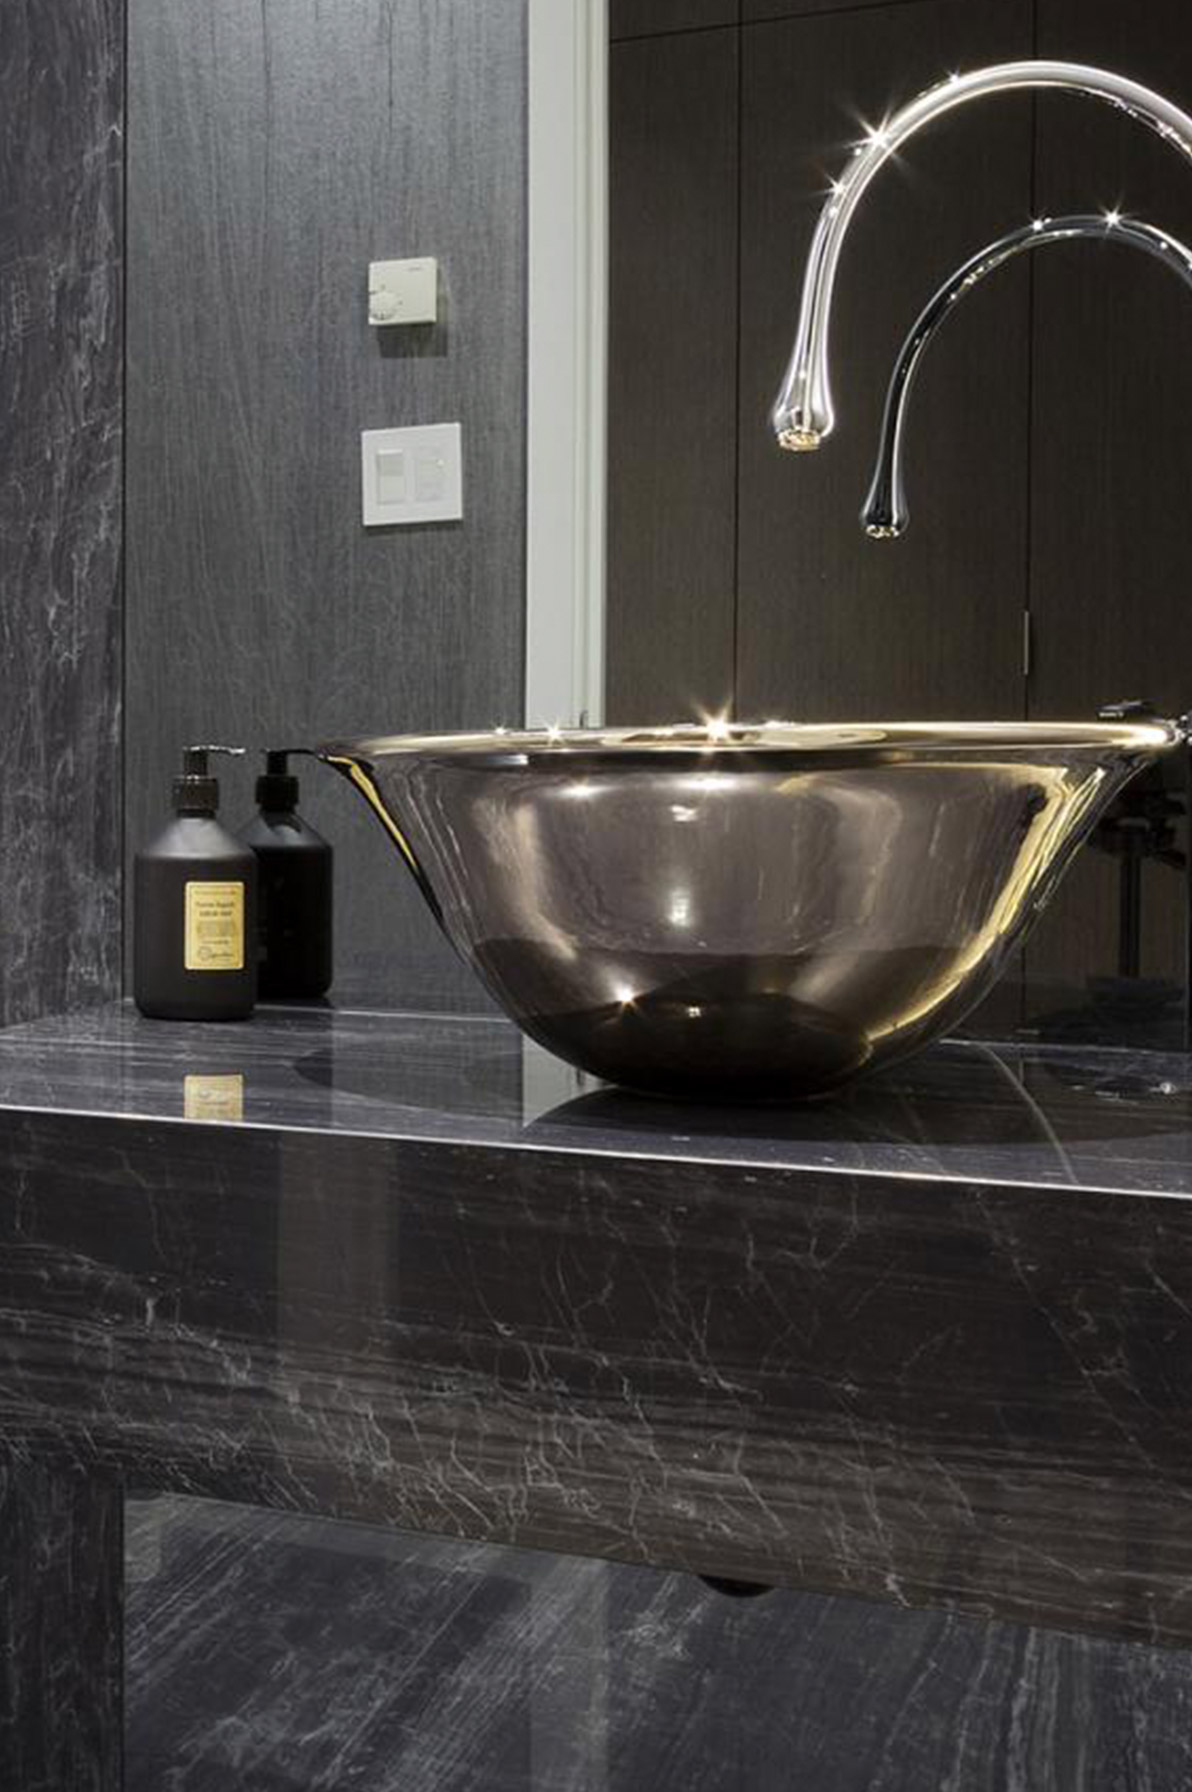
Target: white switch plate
point(403, 292)
point(412, 475)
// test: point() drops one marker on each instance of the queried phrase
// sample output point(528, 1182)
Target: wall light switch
point(412, 475)
point(403, 292)
point(391, 476)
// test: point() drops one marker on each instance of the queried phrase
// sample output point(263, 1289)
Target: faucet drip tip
point(884, 515)
point(799, 441)
point(799, 425)
point(793, 429)
point(882, 521)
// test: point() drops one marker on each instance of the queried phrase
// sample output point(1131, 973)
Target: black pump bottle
point(195, 909)
point(295, 883)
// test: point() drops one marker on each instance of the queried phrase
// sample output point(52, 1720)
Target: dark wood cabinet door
point(1111, 559)
point(645, 18)
point(752, 11)
point(831, 624)
point(672, 376)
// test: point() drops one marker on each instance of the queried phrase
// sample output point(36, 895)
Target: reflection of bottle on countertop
point(215, 1095)
point(295, 884)
point(195, 913)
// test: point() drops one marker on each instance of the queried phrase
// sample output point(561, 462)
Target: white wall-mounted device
point(403, 292)
point(412, 475)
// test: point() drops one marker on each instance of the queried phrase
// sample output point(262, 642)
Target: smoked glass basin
point(736, 912)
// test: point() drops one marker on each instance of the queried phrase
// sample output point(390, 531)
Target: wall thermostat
point(403, 292)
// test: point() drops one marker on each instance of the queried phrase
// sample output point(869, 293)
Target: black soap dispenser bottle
point(296, 873)
point(195, 909)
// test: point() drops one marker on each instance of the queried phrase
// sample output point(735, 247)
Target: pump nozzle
point(277, 788)
point(196, 792)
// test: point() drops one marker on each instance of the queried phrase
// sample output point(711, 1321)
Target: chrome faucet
point(885, 513)
point(802, 415)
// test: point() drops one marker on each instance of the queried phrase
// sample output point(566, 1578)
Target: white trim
point(567, 325)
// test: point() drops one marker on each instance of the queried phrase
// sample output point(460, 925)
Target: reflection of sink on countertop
point(736, 912)
point(969, 1113)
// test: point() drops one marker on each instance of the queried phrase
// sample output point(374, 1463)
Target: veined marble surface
point(265, 1651)
point(61, 424)
point(931, 1346)
point(1073, 1118)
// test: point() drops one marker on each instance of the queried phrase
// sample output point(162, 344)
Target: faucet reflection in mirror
point(886, 514)
point(802, 415)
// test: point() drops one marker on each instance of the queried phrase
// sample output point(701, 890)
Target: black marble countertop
point(930, 1344)
point(1073, 1118)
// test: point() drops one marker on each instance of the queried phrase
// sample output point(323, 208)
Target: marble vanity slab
point(931, 1345)
point(1076, 1118)
point(415, 1665)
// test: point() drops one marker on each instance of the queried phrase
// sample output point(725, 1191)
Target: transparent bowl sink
point(743, 913)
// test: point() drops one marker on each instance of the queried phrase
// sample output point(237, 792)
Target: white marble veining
point(284, 1651)
point(61, 370)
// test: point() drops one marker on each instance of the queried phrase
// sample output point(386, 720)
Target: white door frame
point(567, 355)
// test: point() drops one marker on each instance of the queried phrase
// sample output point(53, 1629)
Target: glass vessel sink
point(736, 912)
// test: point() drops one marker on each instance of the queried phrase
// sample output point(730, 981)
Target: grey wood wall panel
point(830, 623)
point(60, 424)
point(274, 149)
point(1111, 552)
point(672, 376)
point(642, 18)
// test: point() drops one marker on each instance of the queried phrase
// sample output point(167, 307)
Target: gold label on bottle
point(214, 927)
point(213, 1097)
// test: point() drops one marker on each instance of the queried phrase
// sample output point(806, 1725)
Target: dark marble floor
point(268, 1653)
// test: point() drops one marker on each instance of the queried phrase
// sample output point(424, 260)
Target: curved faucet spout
point(802, 414)
point(885, 514)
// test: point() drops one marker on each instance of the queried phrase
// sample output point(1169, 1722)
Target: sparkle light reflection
point(680, 908)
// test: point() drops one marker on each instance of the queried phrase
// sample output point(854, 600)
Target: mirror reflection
point(1043, 572)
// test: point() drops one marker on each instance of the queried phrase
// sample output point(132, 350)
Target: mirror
point(1046, 568)
point(273, 154)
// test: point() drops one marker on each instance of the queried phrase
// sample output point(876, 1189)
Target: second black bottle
point(294, 887)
